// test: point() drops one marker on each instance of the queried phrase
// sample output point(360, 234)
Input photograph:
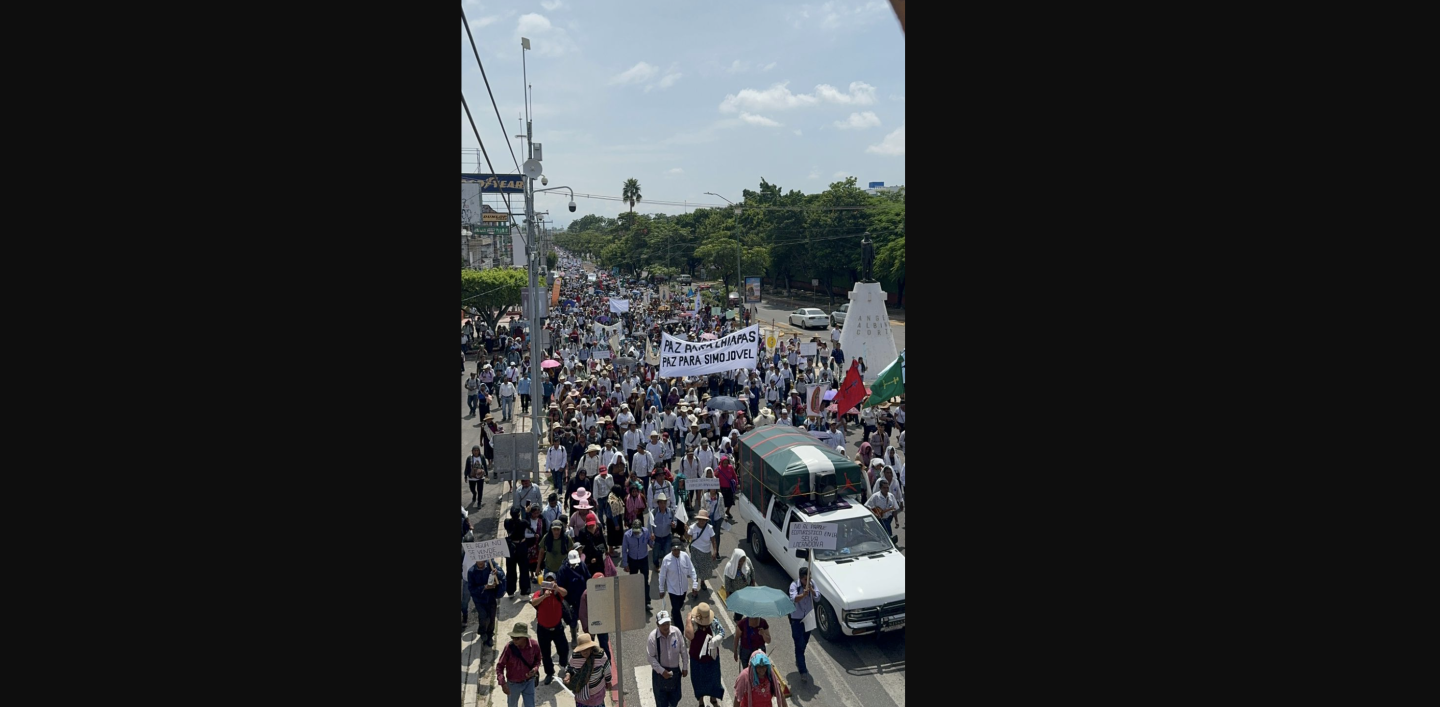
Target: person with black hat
point(554, 547)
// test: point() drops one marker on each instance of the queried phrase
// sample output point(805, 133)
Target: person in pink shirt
point(728, 482)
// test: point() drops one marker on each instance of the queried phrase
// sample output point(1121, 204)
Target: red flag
point(852, 391)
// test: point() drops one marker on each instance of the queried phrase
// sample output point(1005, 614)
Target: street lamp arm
point(572, 191)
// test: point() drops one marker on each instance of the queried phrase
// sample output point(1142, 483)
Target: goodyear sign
point(496, 183)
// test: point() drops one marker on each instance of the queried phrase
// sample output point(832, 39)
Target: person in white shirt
point(590, 462)
point(690, 466)
point(651, 423)
point(609, 453)
point(706, 455)
point(556, 460)
point(631, 441)
point(507, 400)
point(884, 505)
point(589, 420)
point(641, 464)
point(693, 438)
point(624, 419)
point(669, 653)
point(658, 486)
point(900, 418)
point(674, 570)
point(656, 449)
point(667, 450)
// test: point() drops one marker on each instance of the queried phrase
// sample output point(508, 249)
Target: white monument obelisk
point(867, 324)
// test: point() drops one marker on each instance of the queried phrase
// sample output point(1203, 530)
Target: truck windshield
point(857, 536)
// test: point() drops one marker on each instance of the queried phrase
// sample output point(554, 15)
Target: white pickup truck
point(861, 581)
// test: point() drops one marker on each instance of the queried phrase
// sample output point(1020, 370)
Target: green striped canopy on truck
point(781, 459)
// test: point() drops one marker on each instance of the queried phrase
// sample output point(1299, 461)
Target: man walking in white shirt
point(674, 573)
point(669, 654)
point(556, 459)
point(507, 400)
point(642, 464)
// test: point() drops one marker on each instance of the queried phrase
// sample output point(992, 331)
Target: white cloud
point(759, 120)
point(899, 99)
point(893, 144)
point(797, 131)
point(545, 38)
point(484, 22)
point(639, 73)
point(861, 94)
point(779, 97)
point(675, 172)
point(836, 15)
point(745, 67)
point(859, 121)
point(840, 175)
point(814, 173)
point(552, 5)
point(669, 79)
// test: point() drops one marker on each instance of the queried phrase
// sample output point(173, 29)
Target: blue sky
point(689, 96)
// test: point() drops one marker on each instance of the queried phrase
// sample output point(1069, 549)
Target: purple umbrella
point(830, 394)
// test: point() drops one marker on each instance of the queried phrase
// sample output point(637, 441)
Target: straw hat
point(591, 448)
point(702, 612)
point(702, 514)
point(584, 641)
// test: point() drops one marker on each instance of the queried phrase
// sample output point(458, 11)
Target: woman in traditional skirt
point(705, 633)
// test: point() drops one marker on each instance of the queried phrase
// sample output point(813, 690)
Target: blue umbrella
point(725, 402)
point(761, 602)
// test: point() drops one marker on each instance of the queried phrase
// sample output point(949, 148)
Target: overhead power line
point(487, 90)
point(503, 195)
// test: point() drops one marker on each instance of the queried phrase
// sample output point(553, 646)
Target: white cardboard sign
point(813, 535)
point(702, 484)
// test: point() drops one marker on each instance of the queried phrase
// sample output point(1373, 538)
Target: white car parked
point(809, 317)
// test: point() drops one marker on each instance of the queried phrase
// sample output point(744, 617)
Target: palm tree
point(630, 194)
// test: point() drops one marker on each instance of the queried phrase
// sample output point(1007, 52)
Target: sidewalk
point(477, 663)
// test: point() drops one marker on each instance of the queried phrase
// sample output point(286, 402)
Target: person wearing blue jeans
point(661, 518)
point(804, 593)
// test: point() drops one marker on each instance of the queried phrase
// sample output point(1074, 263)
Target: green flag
point(889, 384)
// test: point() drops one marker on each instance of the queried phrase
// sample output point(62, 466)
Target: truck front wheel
point(757, 545)
point(825, 621)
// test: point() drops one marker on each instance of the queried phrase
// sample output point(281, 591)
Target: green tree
point(492, 291)
point(551, 259)
point(630, 193)
point(834, 226)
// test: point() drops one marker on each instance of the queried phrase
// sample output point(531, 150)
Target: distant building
point(878, 188)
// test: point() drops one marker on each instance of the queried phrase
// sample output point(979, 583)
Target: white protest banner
point(600, 353)
point(702, 484)
point(816, 535)
point(651, 357)
point(679, 357)
point(619, 305)
point(809, 349)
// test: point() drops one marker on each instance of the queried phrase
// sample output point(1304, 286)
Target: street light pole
point(739, 283)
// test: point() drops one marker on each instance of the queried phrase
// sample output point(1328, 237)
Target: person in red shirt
point(550, 623)
point(519, 665)
point(728, 481)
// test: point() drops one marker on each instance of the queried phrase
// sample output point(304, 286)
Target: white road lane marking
point(642, 685)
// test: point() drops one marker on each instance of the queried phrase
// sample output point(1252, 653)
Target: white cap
point(574, 557)
point(662, 617)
